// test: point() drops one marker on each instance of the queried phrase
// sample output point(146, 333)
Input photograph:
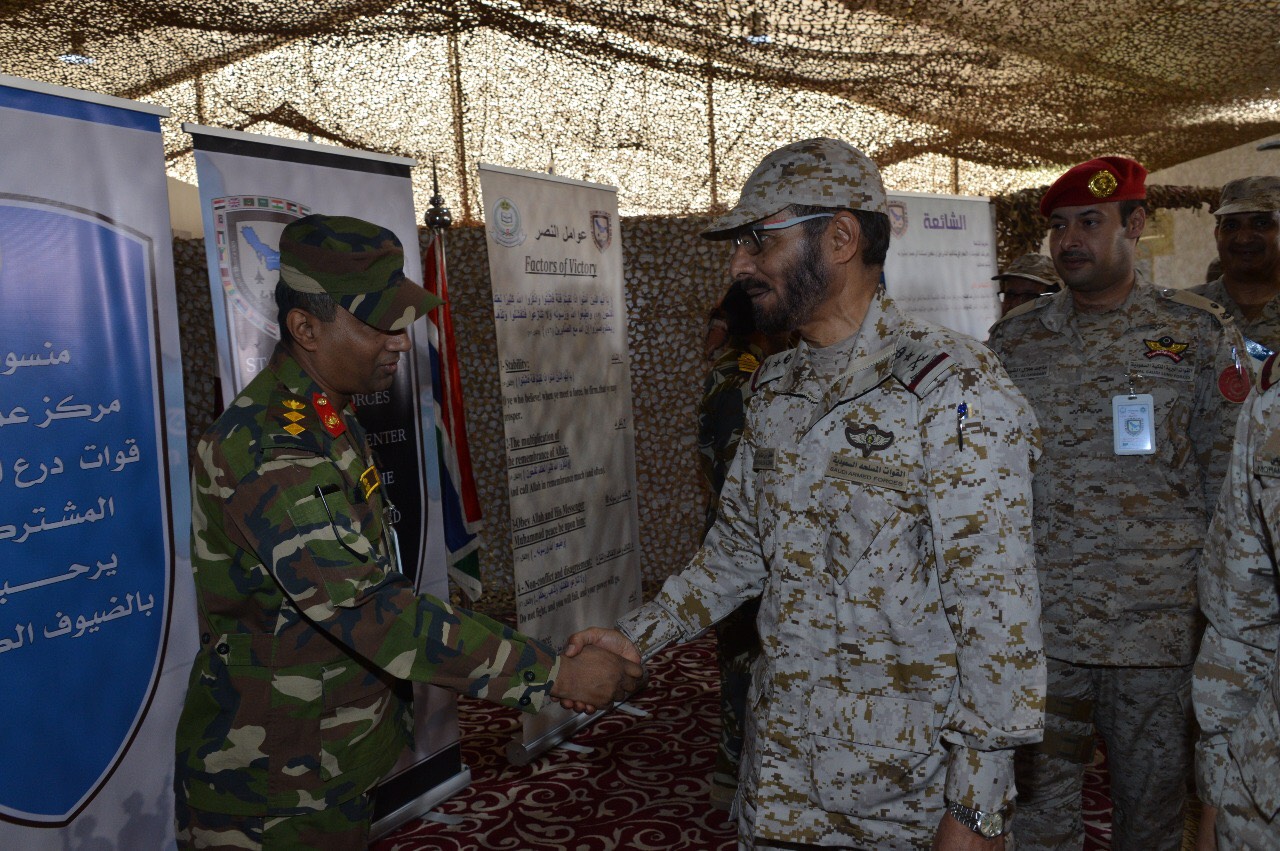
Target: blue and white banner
point(96, 616)
point(251, 186)
point(942, 254)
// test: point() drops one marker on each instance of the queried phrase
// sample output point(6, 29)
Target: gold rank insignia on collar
point(328, 416)
point(294, 415)
point(370, 481)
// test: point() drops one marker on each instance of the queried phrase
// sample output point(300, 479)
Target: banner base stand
point(522, 753)
point(397, 800)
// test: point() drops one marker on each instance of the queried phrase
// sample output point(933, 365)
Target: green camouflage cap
point(812, 173)
point(357, 263)
point(1260, 194)
point(1035, 267)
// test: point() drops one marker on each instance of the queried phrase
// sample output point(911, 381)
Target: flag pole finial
point(438, 216)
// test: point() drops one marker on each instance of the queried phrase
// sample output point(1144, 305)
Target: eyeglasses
point(749, 237)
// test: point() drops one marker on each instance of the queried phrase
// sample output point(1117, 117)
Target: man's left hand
point(953, 836)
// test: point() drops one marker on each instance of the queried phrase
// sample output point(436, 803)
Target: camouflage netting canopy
point(675, 100)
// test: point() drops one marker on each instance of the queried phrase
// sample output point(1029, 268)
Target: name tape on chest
point(765, 459)
point(867, 472)
point(1159, 371)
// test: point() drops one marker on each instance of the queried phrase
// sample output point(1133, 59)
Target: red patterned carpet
point(644, 787)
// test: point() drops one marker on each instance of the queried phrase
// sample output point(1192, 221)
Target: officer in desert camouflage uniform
point(879, 507)
point(1248, 236)
point(297, 702)
point(1025, 279)
point(1236, 688)
point(1118, 535)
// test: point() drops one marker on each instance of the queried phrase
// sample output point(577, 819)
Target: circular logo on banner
point(506, 228)
point(1233, 383)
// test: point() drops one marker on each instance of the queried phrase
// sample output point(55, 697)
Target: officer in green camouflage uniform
point(1236, 688)
point(298, 702)
point(1118, 536)
point(1248, 237)
point(879, 507)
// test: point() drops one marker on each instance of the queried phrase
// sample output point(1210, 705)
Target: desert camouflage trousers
point(737, 646)
point(341, 828)
point(1144, 717)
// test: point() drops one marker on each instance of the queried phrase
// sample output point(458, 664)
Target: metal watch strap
point(987, 825)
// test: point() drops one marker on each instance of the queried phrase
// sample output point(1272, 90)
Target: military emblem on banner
point(601, 229)
point(506, 226)
point(897, 218)
point(248, 237)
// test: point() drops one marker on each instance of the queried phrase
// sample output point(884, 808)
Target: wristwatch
point(987, 825)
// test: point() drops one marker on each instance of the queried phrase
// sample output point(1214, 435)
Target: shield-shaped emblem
point(86, 529)
point(248, 235)
point(601, 229)
point(897, 218)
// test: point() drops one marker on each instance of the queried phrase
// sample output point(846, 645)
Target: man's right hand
point(610, 639)
point(592, 677)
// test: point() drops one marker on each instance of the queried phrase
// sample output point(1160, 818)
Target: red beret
point(1104, 179)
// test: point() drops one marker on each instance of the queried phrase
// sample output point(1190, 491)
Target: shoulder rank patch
point(920, 367)
point(1197, 301)
point(774, 366)
point(328, 416)
point(1167, 347)
point(1270, 372)
point(293, 416)
point(370, 481)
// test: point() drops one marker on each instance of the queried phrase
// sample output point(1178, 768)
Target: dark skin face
point(1249, 246)
point(345, 356)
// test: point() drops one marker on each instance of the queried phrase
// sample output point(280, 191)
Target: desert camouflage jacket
point(1118, 536)
point(1237, 675)
point(885, 522)
point(1265, 330)
point(722, 411)
point(297, 699)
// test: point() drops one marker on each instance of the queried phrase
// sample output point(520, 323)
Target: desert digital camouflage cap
point(1036, 267)
point(815, 172)
point(1260, 194)
point(357, 263)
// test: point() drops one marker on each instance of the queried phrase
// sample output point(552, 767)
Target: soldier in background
point(721, 415)
point(1137, 390)
point(1236, 689)
point(1248, 237)
point(879, 508)
point(298, 701)
point(1026, 279)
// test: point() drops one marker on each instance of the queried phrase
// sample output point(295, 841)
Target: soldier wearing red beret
point(1137, 390)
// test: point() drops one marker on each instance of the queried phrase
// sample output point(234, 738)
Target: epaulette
point(920, 367)
point(291, 423)
point(1195, 300)
point(1270, 372)
point(773, 368)
point(1026, 307)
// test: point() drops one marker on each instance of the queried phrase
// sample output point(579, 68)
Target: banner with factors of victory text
point(97, 622)
point(251, 186)
point(555, 258)
point(942, 254)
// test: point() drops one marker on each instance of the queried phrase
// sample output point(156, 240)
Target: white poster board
point(942, 254)
point(555, 257)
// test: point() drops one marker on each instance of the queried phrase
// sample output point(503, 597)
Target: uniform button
point(205, 638)
point(222, 649)
point(529, 676)
point(524, 701)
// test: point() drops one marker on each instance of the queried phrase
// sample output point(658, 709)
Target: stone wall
point(672, 279)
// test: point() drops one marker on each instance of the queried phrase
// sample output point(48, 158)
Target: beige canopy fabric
point(674, 101)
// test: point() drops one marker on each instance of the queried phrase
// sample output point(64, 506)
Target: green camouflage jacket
point(901, 659)
point(1236, 687)
point(1118, 537)
point(297, 699)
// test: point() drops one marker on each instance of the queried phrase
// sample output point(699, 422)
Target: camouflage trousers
point(344, 827)
point(1144, 717)
point(1240, 825)
point(737, 646)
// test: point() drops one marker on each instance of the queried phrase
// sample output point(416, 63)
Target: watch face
point(990, 824)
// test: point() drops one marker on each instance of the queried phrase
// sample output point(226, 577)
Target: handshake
point(598, 667)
